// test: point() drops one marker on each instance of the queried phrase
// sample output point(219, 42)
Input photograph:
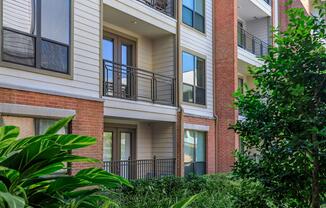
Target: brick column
point(225, 18)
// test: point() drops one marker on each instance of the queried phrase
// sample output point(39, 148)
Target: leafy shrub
point(214, 191)
point(27, 168)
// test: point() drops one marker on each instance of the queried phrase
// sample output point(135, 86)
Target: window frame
point(194, 153)
point(194, 86)
point(36, 69)
point(194, 16)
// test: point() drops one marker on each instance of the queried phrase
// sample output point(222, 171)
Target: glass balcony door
point(119, 148)
point(119, 57)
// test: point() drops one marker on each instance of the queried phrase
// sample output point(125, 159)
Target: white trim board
point(249, 57)
point(196, 127)
point(34, 111)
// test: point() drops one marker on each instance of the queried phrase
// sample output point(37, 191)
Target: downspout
point(180, 111)
point(214, 89)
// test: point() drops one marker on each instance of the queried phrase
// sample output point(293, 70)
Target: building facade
point(152, 80)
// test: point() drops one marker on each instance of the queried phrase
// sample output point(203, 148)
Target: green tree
point(28, 171)
point(285, 116)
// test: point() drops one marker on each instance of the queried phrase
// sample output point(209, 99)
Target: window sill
point(194, 105)
point(36, 70)
point(194, 30)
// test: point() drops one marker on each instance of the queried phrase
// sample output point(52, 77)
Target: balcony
point(131, 83)
point(142, 169)
point(251, 43)
point(269, 2)
point(165, 6)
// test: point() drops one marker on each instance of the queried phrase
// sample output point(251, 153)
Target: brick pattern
point(210, 142)
point(226, 57)
point(88, 120)
point(283, 18)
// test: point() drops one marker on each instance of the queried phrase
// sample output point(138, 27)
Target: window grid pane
point(199, 22)
point(44, 39)
point(199, 7)
point(188, 3)
point(194, 152)
point(54, 57)
point(18, 48)
point(55, 20)
point(187, 16)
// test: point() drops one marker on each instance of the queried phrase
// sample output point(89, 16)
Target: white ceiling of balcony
point(124, 20)
point(250, 10)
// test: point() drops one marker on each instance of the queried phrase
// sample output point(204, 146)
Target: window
point(36, 33)
point(193, 14)
point(193, 69)
point(241, 85)
point(30, 126)
point(33, 126)
point(194, 152)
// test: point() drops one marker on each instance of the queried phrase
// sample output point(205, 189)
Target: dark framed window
point(241, 84)
point(194, 79)
point(194, 152)
point(193, 14)
point(36, 33)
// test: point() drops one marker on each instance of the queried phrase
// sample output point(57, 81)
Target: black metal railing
point(165, 6)
point(269, 2)
point(131, 83)
point(141, 169)
point(251, 43)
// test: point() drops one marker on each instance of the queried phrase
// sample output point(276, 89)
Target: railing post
point(261, 48)
point(173, 91)
point(244, 38)
point(154, 88)
point(104, 78)
point(253, 45)
point(154, 167)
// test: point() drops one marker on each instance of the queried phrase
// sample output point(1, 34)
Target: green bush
point(214, 191)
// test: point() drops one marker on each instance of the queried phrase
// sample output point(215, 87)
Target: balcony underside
point(138, 17)
point(253, 9)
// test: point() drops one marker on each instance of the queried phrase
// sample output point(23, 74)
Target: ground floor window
point(194, 152)
point(30, 126)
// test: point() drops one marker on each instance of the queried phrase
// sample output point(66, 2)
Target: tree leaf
point(70, 142)
point(58, 125)
point(102, 177)
point(185, 202)
point(8, 132)
point(12, 201)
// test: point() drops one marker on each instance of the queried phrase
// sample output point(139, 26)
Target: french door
point(119, 150)
point(119, 57)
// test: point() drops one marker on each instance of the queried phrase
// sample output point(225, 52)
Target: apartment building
point(152, 80)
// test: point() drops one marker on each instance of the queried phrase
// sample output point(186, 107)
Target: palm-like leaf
point(27, 167)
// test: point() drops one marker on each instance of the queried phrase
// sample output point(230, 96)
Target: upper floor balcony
point(131, 83)
point(251, 43)
point(165, 6)
point(269, 2)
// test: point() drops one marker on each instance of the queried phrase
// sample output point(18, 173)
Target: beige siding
point(163, 140)
point(164, 64)
point(144, 141)
point(85, 80)
point(259, 28)
point(202, 44)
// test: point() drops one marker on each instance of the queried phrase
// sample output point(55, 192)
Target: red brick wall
point(210, 143)
point(283, 19)
point(226, 57)
point(88, 120)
